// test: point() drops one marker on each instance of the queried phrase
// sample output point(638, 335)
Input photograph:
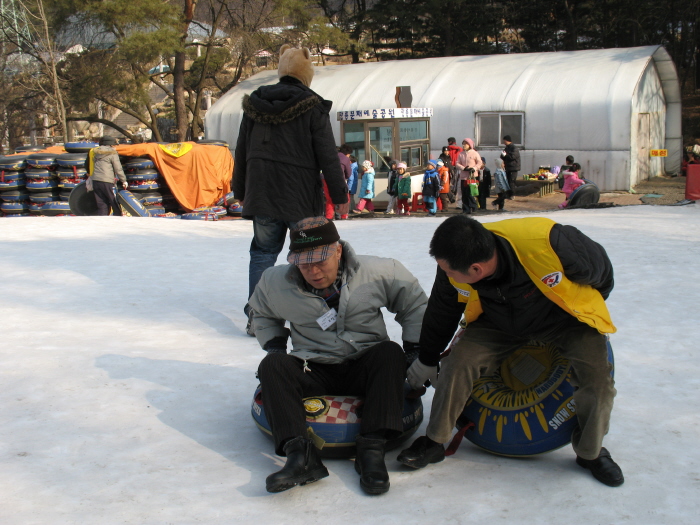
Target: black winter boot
point(303, 466)
point(369, 464)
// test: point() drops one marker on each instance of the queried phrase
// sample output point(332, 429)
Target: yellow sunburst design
point(315, 407)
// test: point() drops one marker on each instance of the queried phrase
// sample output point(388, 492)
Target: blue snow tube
point(41, 184)
point(131, 205)
point(14, 207)
point(137, 163)
point(227, 199)
point(55, 208)
point(14, 195)
point(69, 178)
point(43, 196)
point(42, 160)
point(336, 421)
point(13, 162)
point(12, 180)
point(79, 147)
point(526, 407)
point(217, 210)
point(196, 216)
point(68, 160)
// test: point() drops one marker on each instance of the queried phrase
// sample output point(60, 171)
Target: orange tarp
point(197, 176)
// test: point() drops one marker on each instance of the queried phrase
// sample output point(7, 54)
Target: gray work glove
point(125, 185)
point(418, 373)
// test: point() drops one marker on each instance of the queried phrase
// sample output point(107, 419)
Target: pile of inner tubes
point(49, 184)
point(149, 187)
point(29, 185)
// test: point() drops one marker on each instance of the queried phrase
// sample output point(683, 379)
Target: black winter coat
point(512, 158)
point(284, 142)
point(511, 302)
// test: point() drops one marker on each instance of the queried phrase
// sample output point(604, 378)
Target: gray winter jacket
point(107, 165)
point(369, 283)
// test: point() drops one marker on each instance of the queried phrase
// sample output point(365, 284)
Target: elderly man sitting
point(332, 299)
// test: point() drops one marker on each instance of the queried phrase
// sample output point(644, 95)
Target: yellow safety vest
point(530, 241)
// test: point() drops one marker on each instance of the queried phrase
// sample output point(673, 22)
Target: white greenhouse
point(617, 111)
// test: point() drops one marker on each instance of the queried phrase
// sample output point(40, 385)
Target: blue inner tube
point(39, 173)
point(41, 160)
point(200, 216)
point(68, 160)
point(79, 147)
point(13, 162)
point(142, 175)
point(14, 207)
point(137, 163)
point(227, 199)
point(54, 208)
point(41, 184)
point(131, 204)
point(336, 420)
point(14, 195)
point(526, 408)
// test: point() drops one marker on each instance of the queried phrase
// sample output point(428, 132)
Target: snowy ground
point(126, 381)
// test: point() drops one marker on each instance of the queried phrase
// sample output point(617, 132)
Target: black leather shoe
point(421, 453)
point(603, 468)
point(369, 464)
point(303, 466)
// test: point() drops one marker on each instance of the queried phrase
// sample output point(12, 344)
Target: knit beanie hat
point(433, 162)
point(296, 63)
point(401, 165)
point(367, 164)
point(470, 142)
point(440, 163)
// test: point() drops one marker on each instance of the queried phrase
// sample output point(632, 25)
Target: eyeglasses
point(308, 266)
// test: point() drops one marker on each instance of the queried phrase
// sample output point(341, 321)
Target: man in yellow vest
point(516, 281)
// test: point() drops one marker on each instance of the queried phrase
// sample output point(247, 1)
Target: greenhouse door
point(643, 145)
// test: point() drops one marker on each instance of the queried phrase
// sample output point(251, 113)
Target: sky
point(127, 380)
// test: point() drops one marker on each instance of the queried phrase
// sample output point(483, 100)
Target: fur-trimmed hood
point(282, 102)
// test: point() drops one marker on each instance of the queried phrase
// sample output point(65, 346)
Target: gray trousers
point(482, 348)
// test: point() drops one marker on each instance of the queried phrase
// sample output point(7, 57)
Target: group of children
point(438, 184)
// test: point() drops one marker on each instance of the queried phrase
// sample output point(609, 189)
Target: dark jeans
point(105, 199)
point(512, 176)
point(268, 240)
point(378, 375)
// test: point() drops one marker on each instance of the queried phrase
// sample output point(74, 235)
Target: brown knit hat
point(296, 63)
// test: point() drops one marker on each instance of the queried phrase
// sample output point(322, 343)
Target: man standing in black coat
point(284, 143)
point(511, 159)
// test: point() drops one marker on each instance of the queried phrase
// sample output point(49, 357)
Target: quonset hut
point(612, 109)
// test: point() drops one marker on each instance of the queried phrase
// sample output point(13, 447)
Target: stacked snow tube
point(200, 216)
point(79, 147)
point(145, 179)
point(13, 193)
point(40, 179)
point(219, 211)
point(72, 170)
point(233, 207)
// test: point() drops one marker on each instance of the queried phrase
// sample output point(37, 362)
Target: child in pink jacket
point(571, 182)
